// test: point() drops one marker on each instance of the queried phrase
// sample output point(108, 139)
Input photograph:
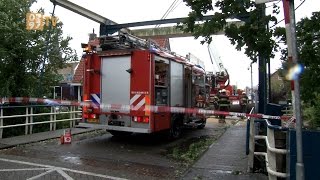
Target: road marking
point(26, 163)
point(24, 169)
point(60, 170)
point(65, 175)
point(42, 174)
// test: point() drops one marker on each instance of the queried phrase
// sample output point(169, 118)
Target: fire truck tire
point(176, 127)
point(202, 124)
point(120, 133)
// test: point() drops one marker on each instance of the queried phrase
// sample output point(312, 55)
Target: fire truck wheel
point(120, 133)
point(202, 124)
point(176, 128)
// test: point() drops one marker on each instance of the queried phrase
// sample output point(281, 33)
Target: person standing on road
point(244, 102)
point(224, 104)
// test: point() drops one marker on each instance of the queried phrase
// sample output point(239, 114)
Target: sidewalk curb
point(7, 146)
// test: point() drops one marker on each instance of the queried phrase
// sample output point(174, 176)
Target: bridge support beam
point(171, 31)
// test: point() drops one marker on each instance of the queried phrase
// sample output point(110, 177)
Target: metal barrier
point(29, 115)
point(270, 155)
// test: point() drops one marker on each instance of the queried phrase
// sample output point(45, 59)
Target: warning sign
point(67, 137)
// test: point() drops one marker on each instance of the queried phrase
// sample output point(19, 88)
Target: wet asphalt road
point(104, 156)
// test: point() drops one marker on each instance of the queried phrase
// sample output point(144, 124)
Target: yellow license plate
point(93, 120)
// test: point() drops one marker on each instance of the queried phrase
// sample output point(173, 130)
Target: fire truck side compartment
point(161, 88)
point(176, 84)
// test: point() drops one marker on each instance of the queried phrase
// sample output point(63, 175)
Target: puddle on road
point(221, 172)
point(71, 159)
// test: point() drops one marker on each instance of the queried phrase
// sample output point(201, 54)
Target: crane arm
point(217, 61)
point(84, 12)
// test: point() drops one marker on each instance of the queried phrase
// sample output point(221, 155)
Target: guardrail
point(270, 155)
point(29, 116)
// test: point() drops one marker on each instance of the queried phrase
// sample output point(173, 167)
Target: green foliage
point(190, 151)
point(280, 88)
point(23, 52)
point(253, 36)
point(15, 131)
point(20, 130)
point(308, 43)
point(312, 113)
point(308, 40)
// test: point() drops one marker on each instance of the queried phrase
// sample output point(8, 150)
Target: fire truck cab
point(135, 86)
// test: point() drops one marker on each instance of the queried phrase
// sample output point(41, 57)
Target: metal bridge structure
point(108, 26)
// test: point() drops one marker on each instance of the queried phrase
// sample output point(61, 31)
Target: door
point(115, 87)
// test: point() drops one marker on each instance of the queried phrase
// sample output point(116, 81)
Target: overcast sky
point(124, 11)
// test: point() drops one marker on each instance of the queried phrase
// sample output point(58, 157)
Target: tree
point(253, 36)
point(308, 43)
point(23, 52)
point(280, 88)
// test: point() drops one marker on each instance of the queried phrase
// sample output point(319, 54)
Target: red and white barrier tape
point(150, 108)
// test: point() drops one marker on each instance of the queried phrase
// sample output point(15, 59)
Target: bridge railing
point(9, 117)
point(272, 151)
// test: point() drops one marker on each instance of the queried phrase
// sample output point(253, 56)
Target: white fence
point(270, 155)
point(29, 115)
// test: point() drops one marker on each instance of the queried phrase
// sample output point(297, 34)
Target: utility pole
point(291, 31)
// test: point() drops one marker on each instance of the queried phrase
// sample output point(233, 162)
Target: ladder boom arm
point(84, 12)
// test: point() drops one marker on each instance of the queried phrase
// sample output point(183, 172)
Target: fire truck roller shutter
point(176, 84)
point(115, 84)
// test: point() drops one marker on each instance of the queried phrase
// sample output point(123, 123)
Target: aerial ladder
point(220, 79)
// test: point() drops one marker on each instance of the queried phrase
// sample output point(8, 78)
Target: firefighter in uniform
point(223, 104)
point(215, 102)
point(200, 100)
point(244, 102)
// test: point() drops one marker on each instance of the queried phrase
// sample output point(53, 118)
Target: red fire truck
point(125, 71)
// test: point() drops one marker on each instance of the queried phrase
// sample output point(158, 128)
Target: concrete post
point(54, 118)
point(71, 116)
point(74, 116)
point(251, 146)
point(27, 119)
point(1, 122)
point(51, 118)
point(31, 120)
point(271, 155)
